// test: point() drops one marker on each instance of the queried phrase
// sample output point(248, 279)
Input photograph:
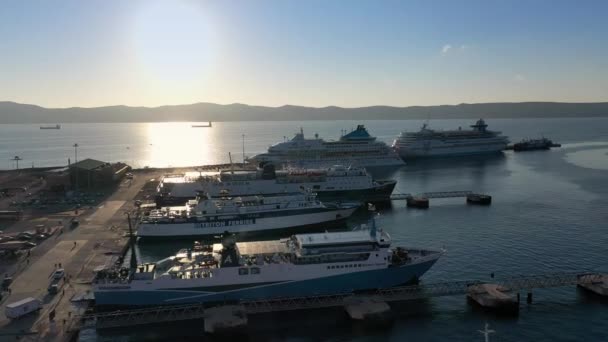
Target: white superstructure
point(336, 182)
point(357, 148)
point(435, 143)
point(206, 216)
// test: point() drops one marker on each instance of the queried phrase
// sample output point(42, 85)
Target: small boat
point(203, 126)
point(51, 127)
point(534, 144)
point(480, 199)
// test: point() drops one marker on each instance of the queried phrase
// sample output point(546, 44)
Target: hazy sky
point(313, 53)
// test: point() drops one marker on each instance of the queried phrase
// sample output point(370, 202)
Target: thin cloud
point(445, 49)
point(520, 77)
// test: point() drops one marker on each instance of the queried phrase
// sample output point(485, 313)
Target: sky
point(311, 53)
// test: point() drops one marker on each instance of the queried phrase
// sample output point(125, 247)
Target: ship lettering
point(225, 223)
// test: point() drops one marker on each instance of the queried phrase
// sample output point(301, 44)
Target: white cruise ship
point(205, 216)
point(357, 148)
point(333, 183)
point(435, 143)
point(303, 265)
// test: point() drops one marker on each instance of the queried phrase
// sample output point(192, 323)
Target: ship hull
point(245, 224)
point(335, 284)
point(449, 151)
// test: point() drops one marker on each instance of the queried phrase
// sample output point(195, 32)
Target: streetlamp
point(243, 150)
point(75, 168)
point(75, 153)
point(17, 159)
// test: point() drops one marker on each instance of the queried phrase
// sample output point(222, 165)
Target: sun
point(171, 40)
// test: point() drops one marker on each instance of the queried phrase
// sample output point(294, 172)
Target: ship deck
point(258, 247)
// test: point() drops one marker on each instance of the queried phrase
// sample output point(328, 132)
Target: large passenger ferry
point(211, 216)
point(303, 265)
point(434, 143)
point(333, 183)
point(357, 148)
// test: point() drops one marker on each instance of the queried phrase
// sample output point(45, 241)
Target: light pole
point(243, 150)
point(75, 153)
point(75, 168)
point(17, 159)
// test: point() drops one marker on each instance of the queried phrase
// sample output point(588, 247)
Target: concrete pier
point(493, 296)
point(367, 308)
point(598, 286)
point(225, 319)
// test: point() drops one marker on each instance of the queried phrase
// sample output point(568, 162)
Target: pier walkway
point(429, 195)
point(197, 311)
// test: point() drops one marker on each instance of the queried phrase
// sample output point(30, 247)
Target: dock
point(422, 200)
point(353, 303)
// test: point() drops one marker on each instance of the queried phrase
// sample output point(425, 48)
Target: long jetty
point(125, 318)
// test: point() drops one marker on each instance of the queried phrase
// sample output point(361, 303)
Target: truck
point(22, 307)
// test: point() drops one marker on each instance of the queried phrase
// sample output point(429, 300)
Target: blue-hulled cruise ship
point(303, 265)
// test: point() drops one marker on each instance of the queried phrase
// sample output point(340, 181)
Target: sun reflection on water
point(176, 144)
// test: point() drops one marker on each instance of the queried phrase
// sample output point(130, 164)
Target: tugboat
point(534, 144)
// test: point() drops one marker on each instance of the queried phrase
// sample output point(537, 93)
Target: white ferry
point(206, 216)
point(434, 143)
point(357, 148)
point(336, 182)
point(303, 265)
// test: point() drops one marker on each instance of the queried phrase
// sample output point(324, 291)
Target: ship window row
point(331, 267)
point(253, 270)
point(332, 258)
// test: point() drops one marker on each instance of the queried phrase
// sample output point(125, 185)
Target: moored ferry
point(333, 183)
point(211, 216)
point(357, 148)
point(303, 265)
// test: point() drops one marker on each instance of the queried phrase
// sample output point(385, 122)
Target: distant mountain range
point(11, 112)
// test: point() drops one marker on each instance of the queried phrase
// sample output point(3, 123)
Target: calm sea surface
point(549, 214)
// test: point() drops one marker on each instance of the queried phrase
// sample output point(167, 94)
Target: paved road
point(79, 250)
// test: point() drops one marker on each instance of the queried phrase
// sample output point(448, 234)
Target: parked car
point(53, 288)
point(59, 273)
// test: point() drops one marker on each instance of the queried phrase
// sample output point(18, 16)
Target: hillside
point(11, 112)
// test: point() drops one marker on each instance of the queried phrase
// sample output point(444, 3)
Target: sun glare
point(171, 41)
point(175, 144)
